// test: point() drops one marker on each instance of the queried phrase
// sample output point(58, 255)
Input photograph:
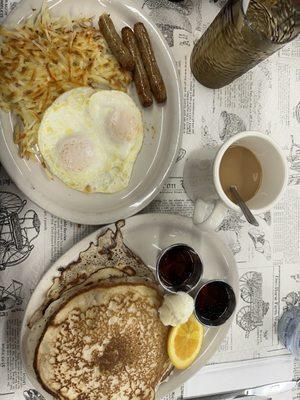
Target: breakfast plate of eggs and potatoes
point(91, 108)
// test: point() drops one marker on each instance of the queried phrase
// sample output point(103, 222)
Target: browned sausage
point(156, 81)
point(115, 43)
point(139, 74)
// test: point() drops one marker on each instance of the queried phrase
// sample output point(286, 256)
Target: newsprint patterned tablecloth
point(266, 99)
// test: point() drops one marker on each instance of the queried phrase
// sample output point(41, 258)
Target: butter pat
point(176, 308)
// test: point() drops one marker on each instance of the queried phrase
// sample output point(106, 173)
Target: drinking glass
point(244, 33)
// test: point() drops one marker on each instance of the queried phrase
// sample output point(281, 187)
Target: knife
point(266, 390)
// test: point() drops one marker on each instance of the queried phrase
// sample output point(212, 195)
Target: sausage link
point(115, 43)
point(144, 45)
point(139, 74)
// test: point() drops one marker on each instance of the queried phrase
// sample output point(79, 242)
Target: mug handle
point(216, 215)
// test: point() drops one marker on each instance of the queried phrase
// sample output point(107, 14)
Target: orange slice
point(184, 343)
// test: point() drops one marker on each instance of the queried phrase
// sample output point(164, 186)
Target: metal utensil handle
point(32, 394)
point(238, 395)
point(243, 206)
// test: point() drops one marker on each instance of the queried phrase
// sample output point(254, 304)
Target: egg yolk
point(121, 125)
point(75, 153)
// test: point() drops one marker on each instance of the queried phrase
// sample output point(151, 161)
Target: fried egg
point(90, 139)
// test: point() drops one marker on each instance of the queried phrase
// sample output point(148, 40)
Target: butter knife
point(266, 390)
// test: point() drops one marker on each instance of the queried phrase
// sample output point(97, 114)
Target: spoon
point(245, 210)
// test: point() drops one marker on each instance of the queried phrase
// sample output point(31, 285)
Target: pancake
point(109, 254)
point(103, 275)
point(105, 343)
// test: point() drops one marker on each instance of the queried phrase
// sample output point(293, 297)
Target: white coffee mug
point(274, 180)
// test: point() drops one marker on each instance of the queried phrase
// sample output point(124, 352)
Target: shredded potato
point(46, 57)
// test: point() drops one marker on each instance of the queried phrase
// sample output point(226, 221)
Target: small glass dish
point(179, 268)
point(215, 303)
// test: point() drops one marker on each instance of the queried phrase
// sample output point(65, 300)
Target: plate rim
point(133, 221)
point(19, 177)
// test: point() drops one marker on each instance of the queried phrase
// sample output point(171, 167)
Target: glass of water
point(289, 330)
point(244, 33)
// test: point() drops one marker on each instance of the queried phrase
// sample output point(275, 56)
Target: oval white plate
point(146, 235)
point(162, 134)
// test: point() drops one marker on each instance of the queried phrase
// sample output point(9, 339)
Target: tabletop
point(266, 99)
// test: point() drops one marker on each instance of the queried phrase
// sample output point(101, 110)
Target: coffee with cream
point(239, 167)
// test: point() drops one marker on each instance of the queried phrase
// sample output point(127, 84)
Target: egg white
point(90, 139)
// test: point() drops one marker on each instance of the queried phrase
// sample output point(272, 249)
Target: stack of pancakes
point(98, 334)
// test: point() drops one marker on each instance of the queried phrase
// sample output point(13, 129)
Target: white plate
point(161, 141)
point(146, 235)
